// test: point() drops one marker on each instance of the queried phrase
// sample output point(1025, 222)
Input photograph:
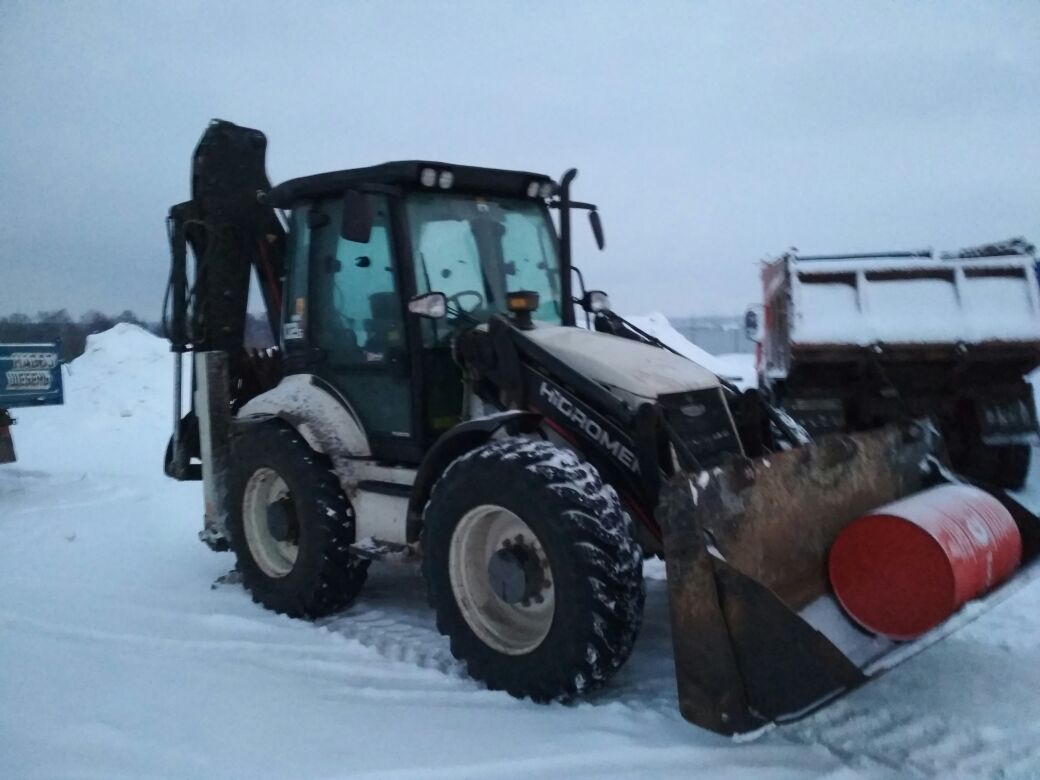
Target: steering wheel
point(453, 299)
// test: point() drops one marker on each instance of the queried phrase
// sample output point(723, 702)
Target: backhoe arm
point(229, 232)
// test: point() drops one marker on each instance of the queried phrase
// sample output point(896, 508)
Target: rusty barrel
point(904, 568)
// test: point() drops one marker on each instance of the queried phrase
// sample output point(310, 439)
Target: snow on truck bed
point(119, 660)
point(863, 302)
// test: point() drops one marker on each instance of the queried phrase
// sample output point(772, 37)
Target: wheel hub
point(269, 520)
point(281, 520)
point(516, 575)
point(501, 579)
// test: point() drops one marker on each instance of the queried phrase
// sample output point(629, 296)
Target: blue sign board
point(30, 375)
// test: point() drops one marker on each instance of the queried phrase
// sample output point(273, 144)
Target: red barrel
point(906, 567)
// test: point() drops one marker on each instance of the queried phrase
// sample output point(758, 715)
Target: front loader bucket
point(746, 550)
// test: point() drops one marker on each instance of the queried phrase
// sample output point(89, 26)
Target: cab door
point(356, 323)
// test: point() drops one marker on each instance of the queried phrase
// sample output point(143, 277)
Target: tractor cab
point(368, 249)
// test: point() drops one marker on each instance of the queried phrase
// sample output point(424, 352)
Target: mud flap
point(746, 547)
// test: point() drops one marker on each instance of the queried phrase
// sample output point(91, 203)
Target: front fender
point(454, 443)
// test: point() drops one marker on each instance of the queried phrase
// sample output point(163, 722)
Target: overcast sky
point(711, 134)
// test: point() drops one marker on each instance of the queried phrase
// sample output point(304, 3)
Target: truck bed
point(928, 306)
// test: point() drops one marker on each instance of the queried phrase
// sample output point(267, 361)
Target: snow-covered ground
point(119, 658)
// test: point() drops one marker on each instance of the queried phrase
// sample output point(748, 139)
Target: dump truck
point(856, 341)
point(435, 395)
point(30, 375)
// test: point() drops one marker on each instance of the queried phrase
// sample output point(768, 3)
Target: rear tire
point(1002, 466)
point(547, 514)
point(304, 568)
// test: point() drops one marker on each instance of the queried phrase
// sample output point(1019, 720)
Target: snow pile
point(739, 368)
point(733, 368)
point(658, 326)
point(118, 660)
point(120, 387)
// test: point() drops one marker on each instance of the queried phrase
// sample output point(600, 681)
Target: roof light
point(532, 190)
point(445, 180)
point(428, 177)
point(546, 190)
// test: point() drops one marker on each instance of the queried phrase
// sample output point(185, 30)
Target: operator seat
point(383, 330)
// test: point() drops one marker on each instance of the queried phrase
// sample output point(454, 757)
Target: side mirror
point(357, 217)
point(595, 301)
point(597, 228)
point(753, 325)
point(432, 305)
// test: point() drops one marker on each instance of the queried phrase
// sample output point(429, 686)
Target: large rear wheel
point(532, 568)
point(999, 465)
point(291, 526)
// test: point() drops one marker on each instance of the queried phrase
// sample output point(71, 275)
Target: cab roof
point(413, 175)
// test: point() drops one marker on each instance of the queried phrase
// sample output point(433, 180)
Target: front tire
point(291, 526)
point(532, 569)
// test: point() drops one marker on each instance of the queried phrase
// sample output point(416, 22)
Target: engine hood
point(638, 369)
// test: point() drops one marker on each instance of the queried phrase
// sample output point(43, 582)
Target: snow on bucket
point(907, 566)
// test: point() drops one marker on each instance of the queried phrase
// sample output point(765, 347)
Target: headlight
point(445, 180)
point(546, 190)
point(532, 190)
point(428, 177)
point(522, 301)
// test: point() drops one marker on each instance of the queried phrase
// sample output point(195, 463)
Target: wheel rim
point(480, 543)
point(275, 557)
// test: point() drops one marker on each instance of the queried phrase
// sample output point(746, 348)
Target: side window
point(355, 319)
point(358, 311)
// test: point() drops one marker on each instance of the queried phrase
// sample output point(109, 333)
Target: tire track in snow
point(360, 675)
point(910, 742)
point(392, 617)
point(398, 637)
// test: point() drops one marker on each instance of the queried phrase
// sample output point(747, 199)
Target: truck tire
point(532, 568)
point(1001, 466)
point(291, 526)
